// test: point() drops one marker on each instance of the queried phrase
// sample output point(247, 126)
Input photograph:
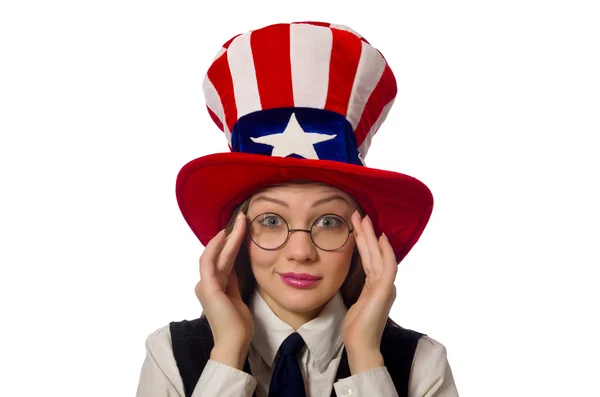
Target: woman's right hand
point(229, 318)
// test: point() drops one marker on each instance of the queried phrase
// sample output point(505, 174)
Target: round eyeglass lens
point(330, 232)
point(269, 231)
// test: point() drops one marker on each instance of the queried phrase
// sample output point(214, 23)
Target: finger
point(373, 245)
point(361, 243)
point(364, 293)
point(233, 288)
point(389, 258)
point(232, 245)
point(211, 251)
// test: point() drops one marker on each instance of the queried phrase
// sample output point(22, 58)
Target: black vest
point(192, 342)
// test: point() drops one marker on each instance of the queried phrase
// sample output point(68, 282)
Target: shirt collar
point(323, 335)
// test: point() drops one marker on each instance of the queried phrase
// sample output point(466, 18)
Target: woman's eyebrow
point(330, 198)
point(265, 198)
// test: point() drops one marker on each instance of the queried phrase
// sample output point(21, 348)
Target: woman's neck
point(293, 319)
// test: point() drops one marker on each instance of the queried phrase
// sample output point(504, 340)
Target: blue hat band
point(297, 132)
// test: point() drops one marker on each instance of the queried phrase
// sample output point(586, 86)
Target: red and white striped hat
point(300, 101)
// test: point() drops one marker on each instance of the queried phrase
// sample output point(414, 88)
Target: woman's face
point(300, 206)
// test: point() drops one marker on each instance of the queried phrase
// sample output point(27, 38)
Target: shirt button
point(347, 391)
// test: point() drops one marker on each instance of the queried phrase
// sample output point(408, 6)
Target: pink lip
point(301, 280)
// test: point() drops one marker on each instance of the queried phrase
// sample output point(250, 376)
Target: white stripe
point(243, 74)
point(344, 27)
point(213, 101)
point(310, 55)
point(364, 147)
point(370, 69)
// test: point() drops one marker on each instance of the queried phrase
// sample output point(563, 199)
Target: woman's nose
point(300, 247)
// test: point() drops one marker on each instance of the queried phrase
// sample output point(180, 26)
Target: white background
point(497, 112)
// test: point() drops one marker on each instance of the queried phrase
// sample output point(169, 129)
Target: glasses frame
point(290, 231)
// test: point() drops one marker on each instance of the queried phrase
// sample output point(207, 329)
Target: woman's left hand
point(365, 321)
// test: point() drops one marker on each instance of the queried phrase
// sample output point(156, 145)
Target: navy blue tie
point(287, 379)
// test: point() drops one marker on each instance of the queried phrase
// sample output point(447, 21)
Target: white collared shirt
point(431, 375)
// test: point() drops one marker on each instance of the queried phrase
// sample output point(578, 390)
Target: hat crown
point(312, 71)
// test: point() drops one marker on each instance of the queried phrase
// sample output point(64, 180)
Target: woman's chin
point(298, 299)
point(302, 301)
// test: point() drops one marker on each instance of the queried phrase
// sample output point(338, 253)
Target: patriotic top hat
point(300, 101)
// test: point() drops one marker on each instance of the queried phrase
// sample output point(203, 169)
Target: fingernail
point(238, 218)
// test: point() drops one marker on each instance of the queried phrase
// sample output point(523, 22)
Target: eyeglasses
point(270, 231)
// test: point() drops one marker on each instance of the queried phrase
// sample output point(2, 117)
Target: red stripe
point(271, 53)
point(226, 45)
point(384, 92)
point(324, 24)
point(220, 76)
point(215, 118)
point(345, 54)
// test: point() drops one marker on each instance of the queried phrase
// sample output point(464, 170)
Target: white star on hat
point(294, 140)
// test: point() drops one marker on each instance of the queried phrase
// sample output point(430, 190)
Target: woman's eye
point(271, 221)
point(329, 221)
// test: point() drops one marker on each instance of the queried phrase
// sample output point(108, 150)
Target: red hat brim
point(210, 187)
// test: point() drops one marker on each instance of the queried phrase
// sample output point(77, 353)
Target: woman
point(295, 285)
